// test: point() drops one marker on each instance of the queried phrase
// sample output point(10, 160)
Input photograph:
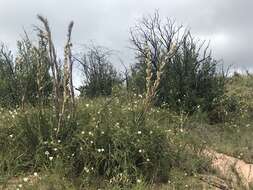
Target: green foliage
point(19, 78)
point(107, 143)
point(190, 77)
point(8, 81)
point(190, 80)
point(99, 74)
point(224, 109)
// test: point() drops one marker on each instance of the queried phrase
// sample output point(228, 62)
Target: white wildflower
point(25, 179)
point(90, 133)
point(86, 170)
point(51, 158)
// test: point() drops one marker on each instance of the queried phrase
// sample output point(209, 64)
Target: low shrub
point(102, 141)
point(224, 109)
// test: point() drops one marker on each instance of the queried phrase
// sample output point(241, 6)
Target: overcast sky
point(227, 23)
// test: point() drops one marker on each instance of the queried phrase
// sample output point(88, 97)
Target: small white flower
point(87, 105)
point(59, 141)
point(148, 160)
point(55, 149)
point(55, 129)
point(73, 154)
point(140, 151)
point(117, 124)
point(181, 130)
point(20, 185)
point(86, 170)
point(138, 181)
point(81, 148)
point(139, 132)
point(102, 150)
point(102, 132)
point(90, 133)
point(35, 174)
point(99, 150)
point(47, 153)
point(82, 132)
point(68, 117)
point(151, 132)
point(91, 142)
point(51, 158)
point(11, 136)
point(25, 179)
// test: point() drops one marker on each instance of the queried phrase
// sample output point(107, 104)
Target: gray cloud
point(227, 23)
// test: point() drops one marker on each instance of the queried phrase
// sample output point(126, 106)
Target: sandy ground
point(236, 171)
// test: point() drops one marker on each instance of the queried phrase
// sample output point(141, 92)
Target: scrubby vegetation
point(146, 130)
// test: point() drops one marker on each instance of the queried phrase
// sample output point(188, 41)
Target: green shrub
point(112, 144)
point(101, 142)
point(99, 74)
point(225, 108)
point(190, 78)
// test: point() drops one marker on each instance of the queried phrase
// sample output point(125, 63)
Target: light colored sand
point(232, 169)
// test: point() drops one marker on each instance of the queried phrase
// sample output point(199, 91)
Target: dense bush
point(226, 108)
point(99, 74)
point(102, 141)
point(21, 76)
point(190, 77)
point(8, 82)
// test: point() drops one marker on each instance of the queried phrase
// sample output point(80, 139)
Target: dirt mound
point(235, 171)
